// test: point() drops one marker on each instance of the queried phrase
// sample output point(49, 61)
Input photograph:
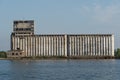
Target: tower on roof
point(23, 27)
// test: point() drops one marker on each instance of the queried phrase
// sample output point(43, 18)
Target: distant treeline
point(3, 54)
point(117, 53)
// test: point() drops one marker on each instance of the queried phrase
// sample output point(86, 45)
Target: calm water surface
point(60, 69)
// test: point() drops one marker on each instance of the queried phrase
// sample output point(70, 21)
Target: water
point(60, 69)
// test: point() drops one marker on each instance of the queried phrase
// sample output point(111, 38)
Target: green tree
point(117, 53)
point(3, 54)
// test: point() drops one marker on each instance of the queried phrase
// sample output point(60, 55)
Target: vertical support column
point(31, 50)
point(78, 49)
point(72, 46)
point(80, 46)
point(83, 46)
point(18, 42)
point(52, 50)
point(39, 45)
point(104, 46)
point(41, 51)
point(75, 46)
point(28, 44)
point(93, 44)
point(55, 45)
point(46, 45)
point(13, 41)
point(33, 46)
point(44, 54)
point(112, 45)
point(65, 45)
point(99, 45)
point(22, 44)
point(60, 46)
point(88, 45)
point(50, 46)
point(57, 48)
point(26, 51)
point(96, 46)
point(107, 45)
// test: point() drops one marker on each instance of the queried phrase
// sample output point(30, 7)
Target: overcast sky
point(61, 16)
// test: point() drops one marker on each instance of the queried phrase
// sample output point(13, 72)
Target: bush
point(3, 54)
point(117, 53)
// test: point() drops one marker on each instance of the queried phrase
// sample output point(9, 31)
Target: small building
point(15, 53)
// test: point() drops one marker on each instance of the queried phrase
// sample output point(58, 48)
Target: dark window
point(20, 53)
point(16, 53)
point(18, 48)
point(12, 53)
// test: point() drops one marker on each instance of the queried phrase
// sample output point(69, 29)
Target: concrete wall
point(91, 45)
point(64, 45)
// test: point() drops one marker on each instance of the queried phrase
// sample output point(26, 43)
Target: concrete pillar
point(28, 44)
point(39, 45)
point(63, 53)
point(60, 45)
point(73, 50)
point(52, 46)
point(112, 45)
point(44, 46)
point(103, 45)
point(88, 45)
point(106, 45)
point(57, 45)
point(96, 46)
point(80, 38)
point(75, 46)
point(31, 46)
point(93, 45)
point(25, 38)
point(34, 53)
point(18, 42)
point(99, 45)
point(15, 43)
point(49, 45)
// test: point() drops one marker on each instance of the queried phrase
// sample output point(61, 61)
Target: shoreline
point(61, 58)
